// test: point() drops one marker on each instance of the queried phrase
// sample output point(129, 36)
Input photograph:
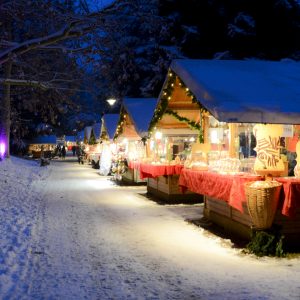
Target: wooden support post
point(233, 133)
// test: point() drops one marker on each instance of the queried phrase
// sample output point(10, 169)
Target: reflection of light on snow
point(75, 184)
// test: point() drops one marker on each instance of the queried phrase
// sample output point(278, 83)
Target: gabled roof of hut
point(87, 132)
point(43, 139)
point(250, 91)
point(110, 122)
point(97, 130)
point(140, 112)
point(80, 135)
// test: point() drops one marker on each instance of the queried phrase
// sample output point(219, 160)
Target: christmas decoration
point(166, 97)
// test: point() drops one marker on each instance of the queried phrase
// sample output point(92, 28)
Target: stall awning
point(87, 132)
point(250, 91)
point(43, 139)
point(110, 124)
point(141, 112)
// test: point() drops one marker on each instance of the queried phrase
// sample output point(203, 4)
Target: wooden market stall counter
point(225, 201)
point(132, 175)
point(162, 181)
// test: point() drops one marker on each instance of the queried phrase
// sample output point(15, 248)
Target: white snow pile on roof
point(19, 207)
point(110, 123)
point(251, 91)
point(141, 111)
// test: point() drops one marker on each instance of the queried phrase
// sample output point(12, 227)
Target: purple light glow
point(2, 148)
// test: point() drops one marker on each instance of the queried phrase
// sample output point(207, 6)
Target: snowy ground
point(68, 233)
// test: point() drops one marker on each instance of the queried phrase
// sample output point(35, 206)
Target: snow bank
point(19, 207)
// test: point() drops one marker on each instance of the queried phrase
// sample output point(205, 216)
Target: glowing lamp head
point(2, 148)
point(111, 101)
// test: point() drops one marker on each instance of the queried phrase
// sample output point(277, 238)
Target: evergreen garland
point(164, 100)
point(267, 243)
point(192, 124)
point(104, 136)
point(162, 108)
point(120, 126)
point(92, 140)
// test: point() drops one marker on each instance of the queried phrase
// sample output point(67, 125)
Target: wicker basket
point(262, 203)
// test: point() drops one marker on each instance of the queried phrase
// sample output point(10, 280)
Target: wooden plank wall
point(290, 227)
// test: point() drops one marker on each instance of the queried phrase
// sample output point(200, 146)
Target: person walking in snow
point(63, 152)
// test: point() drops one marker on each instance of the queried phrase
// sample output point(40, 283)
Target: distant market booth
point(108, 150)
point(130, 138)
point(45, 143)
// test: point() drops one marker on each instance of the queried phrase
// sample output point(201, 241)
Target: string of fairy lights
point(121, 123)
point(162, 109)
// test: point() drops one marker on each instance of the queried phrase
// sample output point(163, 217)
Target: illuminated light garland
point(162, 108)
point(122, 120)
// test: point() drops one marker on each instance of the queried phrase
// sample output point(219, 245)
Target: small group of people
point(61, 151)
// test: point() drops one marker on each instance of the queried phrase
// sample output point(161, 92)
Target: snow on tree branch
point(75, 28)
point(22, 82)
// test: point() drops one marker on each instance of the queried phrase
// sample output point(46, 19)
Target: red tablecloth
point(152, 171)
point(134, 165)
point(291, 195)
point(229, 188)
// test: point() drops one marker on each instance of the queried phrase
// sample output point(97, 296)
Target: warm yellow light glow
point(111, 101)
point(158, 135)
point(192, 139)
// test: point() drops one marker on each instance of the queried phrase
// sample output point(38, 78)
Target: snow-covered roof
point(97, 129)
point(141, 111)
point(251, 91)
point(110, 123)
point(80, 135)
point(43, 139)
point(87, 132)
point(70, 138)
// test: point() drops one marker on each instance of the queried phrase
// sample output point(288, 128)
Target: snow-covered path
point(95, 240)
